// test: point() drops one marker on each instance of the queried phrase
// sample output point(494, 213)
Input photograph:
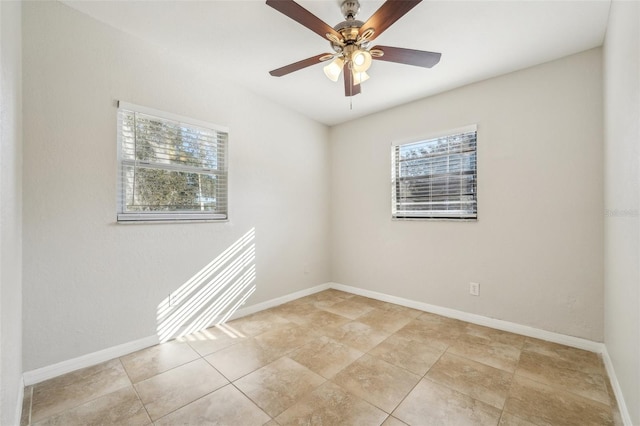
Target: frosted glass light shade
point(359, 77)
point(332, 70)
point(361, 60)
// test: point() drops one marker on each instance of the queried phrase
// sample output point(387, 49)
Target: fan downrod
point(350, 9)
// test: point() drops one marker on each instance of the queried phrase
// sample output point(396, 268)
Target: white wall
point(622, 198)
point(10, 212)
point(536, 249)
point(91, 284)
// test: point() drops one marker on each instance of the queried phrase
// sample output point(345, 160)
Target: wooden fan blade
point(419, 58)
point(287, 69)
point(350, 89)
point(387, 15)
point(302, 16)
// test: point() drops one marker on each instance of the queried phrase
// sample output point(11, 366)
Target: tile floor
point(336, 359)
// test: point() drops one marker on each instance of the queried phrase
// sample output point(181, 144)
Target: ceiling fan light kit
point(351, 41)
point(333, 70)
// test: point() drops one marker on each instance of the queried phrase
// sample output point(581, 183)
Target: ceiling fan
point(351, 41)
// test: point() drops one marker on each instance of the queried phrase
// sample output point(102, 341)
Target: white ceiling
point(246, 39)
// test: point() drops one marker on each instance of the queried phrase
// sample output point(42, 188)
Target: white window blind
point(170, 167)
point(436, 178)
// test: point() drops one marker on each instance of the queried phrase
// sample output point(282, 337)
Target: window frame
point(431, 136)
point(124, 217)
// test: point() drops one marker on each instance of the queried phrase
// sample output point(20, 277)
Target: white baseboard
point(524, 330)
point(278, 301)
point(49, 372)
point(512, 327)
point(617, 390)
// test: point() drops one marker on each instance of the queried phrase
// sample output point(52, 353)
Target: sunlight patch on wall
point(212, 295)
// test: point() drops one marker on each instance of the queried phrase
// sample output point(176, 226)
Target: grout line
point(254, 402)
point(513, 376)
point(56, 414)
point(424, 377)
point(83, 401)
point(125, 371)
point(189, 403)
point(142, 403)
point(288, 353)
point(165, 371)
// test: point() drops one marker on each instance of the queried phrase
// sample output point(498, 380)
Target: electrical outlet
point(474, 289)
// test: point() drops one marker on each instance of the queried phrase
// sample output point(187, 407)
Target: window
point(436, 178)
point(170, 167)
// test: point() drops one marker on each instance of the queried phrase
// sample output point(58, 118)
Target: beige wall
point(10, 212)
point(90, 284)
point(536, 249)
point(622, 198)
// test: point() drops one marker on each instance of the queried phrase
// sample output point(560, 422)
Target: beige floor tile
point(378, 382)
point(439, 321)
point(615, 410)
point(73, 389)
point(366, 300)
point(566, 357)
point(542, 368)
point(325, 298)
point(508, 419)
point(410, 312)
point(392, 421)
point(285, 339)
point(330, 294)
point(331, 405)
point(258, 323)
point(168, 391)
point(279, 385)
point(338, 293)
point(374, 303)
point(324, 303)
point(157, 359)
point(487, 384)
point(357, 335)
point(493, 354)
point(325, 356)
point(349, 308)
point(241, 359)
point(295, 311)
point(412, 355)
point(389, 307)
point(320, 320)
point(433, 404)
point(226, 406)
point(213, 339)
point(116, 408)
point(539, 403)
point(25, 416)
point(436, 336)
point(308, 362)
point(493, 335)
point(386, 321)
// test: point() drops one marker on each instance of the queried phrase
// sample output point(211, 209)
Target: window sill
point(168, 221)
